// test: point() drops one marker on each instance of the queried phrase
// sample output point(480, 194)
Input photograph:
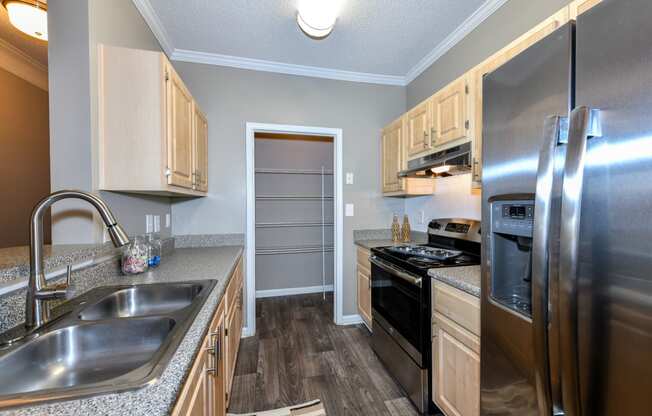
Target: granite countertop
point(159, 397)
point(465, 278)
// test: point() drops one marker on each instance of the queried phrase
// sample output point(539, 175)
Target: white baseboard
point(350, 320)
point(246, 332)
point(292, 291)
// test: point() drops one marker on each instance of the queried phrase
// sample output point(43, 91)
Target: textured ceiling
point(373, 36)
point(32, 47)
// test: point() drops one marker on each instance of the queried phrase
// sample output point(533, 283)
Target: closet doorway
point(294, 215)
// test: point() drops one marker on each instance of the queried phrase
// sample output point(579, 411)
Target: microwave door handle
point(584, 124)
point(540, 258)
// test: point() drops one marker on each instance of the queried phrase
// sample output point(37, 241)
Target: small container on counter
point(135, 257)
point(154, 243)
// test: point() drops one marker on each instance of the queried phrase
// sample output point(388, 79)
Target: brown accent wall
point(24, 157)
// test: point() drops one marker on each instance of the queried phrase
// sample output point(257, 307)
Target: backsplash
point(452, 199)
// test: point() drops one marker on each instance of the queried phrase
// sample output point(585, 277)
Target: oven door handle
point(416, 281)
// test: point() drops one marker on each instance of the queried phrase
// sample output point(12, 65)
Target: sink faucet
point(38, 291)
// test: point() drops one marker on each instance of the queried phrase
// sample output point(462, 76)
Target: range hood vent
point(448, 162)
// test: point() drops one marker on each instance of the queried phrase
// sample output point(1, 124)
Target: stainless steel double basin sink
point(110, 339)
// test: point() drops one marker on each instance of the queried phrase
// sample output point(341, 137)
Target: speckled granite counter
point(159, 397)
point(466, 278)
point(381, 238)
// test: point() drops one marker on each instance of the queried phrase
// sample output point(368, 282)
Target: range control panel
point(513, 217)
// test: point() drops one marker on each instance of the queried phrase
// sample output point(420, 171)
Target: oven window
point(399, 303)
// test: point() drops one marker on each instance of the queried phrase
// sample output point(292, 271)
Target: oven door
point(397, 303)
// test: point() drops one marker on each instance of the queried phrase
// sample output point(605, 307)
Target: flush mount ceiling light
point(317, 17)
point(28, 16)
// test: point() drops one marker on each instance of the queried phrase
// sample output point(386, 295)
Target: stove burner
point(425, 252)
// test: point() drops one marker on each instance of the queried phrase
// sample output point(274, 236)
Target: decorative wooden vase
point(406, 230)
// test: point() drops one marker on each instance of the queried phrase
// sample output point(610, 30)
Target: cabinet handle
point(475, 169)
point(215, 351)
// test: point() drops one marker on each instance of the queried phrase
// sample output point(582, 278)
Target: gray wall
point(76, 27)
point(231, 97)
point(24, 156)
point(509, 22)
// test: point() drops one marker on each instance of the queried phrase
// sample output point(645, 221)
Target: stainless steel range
point(401, 305)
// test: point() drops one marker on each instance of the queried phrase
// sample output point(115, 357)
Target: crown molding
point(283, 68)
point(473, 21)
point(22, 65)
point(184, 55)
point(151, 18)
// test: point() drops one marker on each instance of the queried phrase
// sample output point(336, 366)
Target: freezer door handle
point(552, 137)
point(584, 124)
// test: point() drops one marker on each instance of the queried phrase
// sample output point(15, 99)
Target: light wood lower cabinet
point(455, 351)
point(364, 286)
point(363, 273)
point(206, 391)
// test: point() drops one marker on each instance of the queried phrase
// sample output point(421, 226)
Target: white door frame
point(250, 239)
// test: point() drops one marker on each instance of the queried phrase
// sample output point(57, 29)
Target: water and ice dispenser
point(511, 254)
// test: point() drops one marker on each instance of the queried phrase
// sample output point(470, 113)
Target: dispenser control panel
point(513, 217)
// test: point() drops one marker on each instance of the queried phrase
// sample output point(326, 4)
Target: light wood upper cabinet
point(394, 159)
point(392, 156)
point(200, 137)
point(578, 7)
point(419, 129)
point(450, 113)
point(180, 118)
point(146, 126)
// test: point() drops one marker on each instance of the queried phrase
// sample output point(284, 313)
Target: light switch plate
point(167, 220)
point(149, 223)
point(349, 210)
point(157, 223)
point(349, 178)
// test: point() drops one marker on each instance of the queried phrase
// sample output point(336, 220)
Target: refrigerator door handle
point(552, 137)
point(584, 124)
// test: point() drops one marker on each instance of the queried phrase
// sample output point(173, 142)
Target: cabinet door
point(580, 6)
point(418, 129)
point(450, 113)
point(456, 371)
point(364, 295)
point(392, 156)
point(217, 377)
point(200, 137)
point(233, 334)
point(195, 398)
point(180, 131)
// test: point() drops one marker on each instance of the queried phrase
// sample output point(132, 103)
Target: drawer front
point(363, 258)
point(458, 306)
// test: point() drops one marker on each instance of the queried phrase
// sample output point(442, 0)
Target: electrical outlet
point(157, 223)
point(349, 210)
point(349, 178)
point(167, 220)
point(422, 217)
point(149, 223)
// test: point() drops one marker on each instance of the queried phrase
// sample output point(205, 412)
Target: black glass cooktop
point(419, 258)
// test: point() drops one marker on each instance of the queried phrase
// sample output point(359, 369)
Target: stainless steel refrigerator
point(567, 221)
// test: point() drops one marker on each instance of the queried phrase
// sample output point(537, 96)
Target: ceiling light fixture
point(317, 17)
point(28, 16)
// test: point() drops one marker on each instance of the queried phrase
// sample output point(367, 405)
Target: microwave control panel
point(513, 217)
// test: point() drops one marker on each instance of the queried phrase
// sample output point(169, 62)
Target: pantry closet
point(294, 211)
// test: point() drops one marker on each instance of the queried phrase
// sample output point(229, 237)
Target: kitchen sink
point(83, 354)
point(145, 300)
point(110, 339)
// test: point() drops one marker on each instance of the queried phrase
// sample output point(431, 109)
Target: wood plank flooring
point(299, 354)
